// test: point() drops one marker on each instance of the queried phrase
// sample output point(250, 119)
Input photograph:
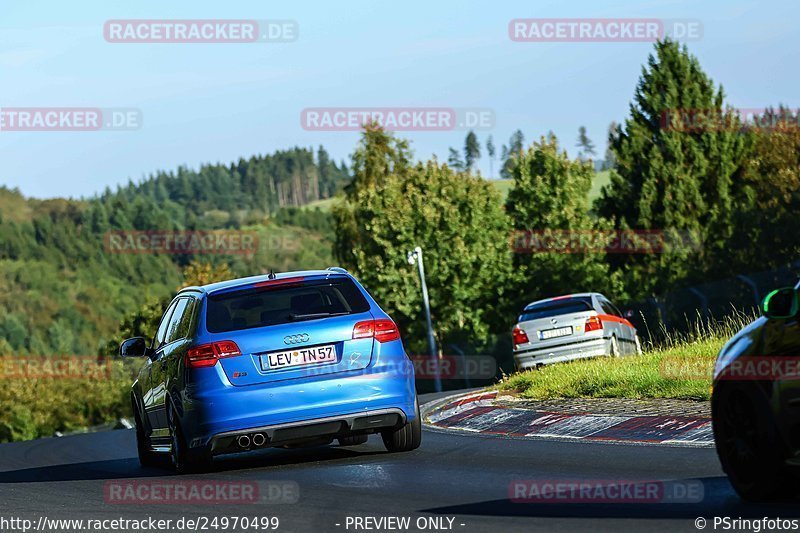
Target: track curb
point(476, 413)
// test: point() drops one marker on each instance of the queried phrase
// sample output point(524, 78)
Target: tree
point(458, 221)
point(379, 155)
point(455, 161)
point(144, 322)
point(509, 153)
point(549, 199)
point(472, 150)
point(670, 178)
point(490, 151)
point(768, 198)
point(199, 273)
point(610, 160)
point(585, 144)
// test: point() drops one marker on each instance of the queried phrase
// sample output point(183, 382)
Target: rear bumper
point(329, 427)
point(531, 358)
point(339, 402)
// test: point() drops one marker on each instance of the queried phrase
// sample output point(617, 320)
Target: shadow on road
point(129, 468)
point(719, 500)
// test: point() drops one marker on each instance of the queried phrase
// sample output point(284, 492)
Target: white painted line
point(578, 426)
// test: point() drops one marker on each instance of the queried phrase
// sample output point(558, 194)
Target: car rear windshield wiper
point(311, 316)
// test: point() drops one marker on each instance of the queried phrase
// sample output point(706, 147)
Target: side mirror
point(781, 303)
point(134, 347)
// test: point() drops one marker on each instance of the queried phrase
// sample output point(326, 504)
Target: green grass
point(681, 370)
point(646, 376)
point(324, 205)
point(503, 186)
point(601, 179)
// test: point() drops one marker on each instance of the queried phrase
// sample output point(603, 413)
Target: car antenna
point(271, 274)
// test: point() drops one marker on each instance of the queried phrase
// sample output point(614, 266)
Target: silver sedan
point(570, 327)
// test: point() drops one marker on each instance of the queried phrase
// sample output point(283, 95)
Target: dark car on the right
point(755, 401)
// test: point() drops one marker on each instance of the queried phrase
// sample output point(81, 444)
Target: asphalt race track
point(452, 476)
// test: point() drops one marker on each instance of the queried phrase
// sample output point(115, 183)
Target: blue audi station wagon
point(293, 359)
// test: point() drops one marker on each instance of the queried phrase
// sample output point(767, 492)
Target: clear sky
point(218, 102)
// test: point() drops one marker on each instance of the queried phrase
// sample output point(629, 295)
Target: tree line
point(64, 293)
point(732, 188)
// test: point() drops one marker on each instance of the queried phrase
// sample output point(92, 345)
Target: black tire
point(353, 440)
point(184, 461)
point(748, 444)
point(147, 457)
point(406, 438)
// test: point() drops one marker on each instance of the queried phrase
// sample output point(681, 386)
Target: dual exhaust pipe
point(257, 439)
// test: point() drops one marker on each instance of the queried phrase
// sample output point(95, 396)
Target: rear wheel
point(147, 457)
point(353, 440)
point(748, 444)
point(407, 438)
point(184, 460)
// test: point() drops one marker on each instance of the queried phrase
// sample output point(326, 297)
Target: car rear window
point(555, 308)
point(255, 308)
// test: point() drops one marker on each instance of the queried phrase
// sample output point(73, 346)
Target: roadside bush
point(38, 407)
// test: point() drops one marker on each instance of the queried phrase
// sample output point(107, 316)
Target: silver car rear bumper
point(531, 358)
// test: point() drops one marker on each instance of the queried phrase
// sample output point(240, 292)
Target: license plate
point(558, 332)
point(299, 357)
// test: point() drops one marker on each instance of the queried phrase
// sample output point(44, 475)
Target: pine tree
point(472, 150)
point(454, 160)
point(671, 178)
point(490, 151)
point(610, 160)
point(585, 144)
point(510, 152)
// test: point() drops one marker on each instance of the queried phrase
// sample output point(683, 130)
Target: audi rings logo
point(296, 339)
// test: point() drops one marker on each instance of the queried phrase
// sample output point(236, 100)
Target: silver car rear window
point(555, 308)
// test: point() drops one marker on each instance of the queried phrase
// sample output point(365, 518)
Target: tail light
point(206, 355)
point(593, 323)
point(520, 337)
point(381, 329)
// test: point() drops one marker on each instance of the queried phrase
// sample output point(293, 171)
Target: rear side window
point(175, 320)
point(161, 334)
point(181, 320)
point(255, 308)
point(608, 307)
point(555, 308)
